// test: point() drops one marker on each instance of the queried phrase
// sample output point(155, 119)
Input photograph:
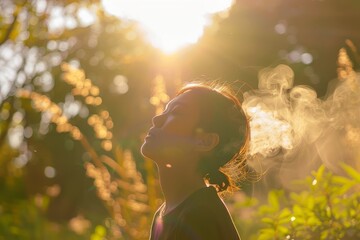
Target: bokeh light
point(49, 172)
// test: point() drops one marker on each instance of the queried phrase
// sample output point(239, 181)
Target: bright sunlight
point(169, 24)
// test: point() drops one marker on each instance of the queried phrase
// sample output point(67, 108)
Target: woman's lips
point(150, 133)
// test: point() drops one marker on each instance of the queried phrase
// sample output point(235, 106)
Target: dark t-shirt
point(202, 216)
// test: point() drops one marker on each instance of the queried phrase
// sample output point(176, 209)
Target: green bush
point(328, 209)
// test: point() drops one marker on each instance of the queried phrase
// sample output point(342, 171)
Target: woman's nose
point(158, 120)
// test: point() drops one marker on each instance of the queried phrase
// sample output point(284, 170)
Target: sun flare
point(168, 24)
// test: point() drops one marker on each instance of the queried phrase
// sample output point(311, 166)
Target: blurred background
point(81, 80)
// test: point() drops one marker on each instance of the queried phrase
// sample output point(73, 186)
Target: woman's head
point(206, 121)
point(221, 113)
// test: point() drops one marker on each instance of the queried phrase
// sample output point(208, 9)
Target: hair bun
point(219, 179)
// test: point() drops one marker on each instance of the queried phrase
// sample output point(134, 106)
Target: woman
point(198, 144)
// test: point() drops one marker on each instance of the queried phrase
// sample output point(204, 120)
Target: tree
point(38, 163)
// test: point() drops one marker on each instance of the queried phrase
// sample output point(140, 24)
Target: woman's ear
point(205, 142)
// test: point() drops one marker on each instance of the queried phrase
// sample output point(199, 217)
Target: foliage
point(26, 219)
point(119, 185)
point(328, 210)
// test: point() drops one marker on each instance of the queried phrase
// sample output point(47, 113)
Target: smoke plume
point(293, 131)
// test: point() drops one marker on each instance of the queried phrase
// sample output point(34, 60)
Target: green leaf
point(341, 180)
point(298, 211)
point(285, 213)
point(265, 209)
point(313, 221)
point(310, 202)
point(351, 172)
point(273, 200)
point(267, 234)
point(283, 230)
point(320, 172)
point(343, 189)
point(324, 235)
point(267, 220)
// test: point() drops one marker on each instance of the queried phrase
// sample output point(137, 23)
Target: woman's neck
point(177, 185)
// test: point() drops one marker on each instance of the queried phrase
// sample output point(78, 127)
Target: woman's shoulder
point(208, 216)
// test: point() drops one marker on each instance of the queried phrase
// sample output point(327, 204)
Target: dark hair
point(221, 113)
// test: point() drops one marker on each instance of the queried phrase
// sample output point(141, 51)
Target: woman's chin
point(143, 149)
point(146, 150)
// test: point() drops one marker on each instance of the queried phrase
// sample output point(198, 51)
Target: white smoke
point(293, 131)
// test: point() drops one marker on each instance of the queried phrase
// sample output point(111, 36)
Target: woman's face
point(172, 135)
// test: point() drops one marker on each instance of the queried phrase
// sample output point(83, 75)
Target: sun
point(168, 24)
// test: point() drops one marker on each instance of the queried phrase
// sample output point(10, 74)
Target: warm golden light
point(168, 24)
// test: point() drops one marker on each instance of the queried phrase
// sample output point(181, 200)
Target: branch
point(4, 133)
